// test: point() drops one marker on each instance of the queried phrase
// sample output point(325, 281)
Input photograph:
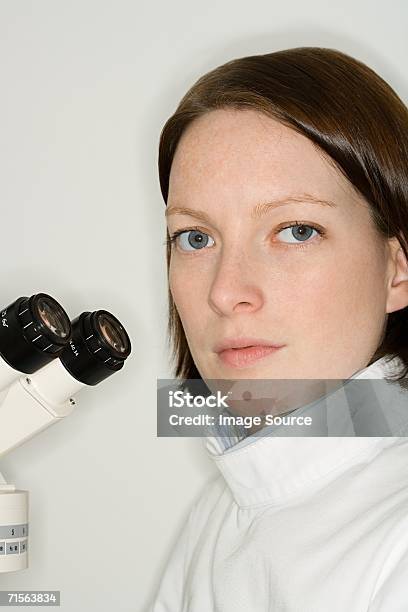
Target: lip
point(241, 352)
point(243, 342)
point(243, 357)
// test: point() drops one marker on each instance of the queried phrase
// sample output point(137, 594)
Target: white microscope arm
point(35, 401)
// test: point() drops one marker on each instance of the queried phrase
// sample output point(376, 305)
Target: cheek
point(339, 295)
point(188, 292)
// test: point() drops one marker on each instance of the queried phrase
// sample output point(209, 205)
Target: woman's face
point(243, 272)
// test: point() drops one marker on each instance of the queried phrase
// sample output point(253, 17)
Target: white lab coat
point(293, 524)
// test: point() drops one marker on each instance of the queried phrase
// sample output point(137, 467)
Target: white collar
point(262, 470)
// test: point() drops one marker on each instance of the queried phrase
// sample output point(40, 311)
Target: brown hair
point(342, 106)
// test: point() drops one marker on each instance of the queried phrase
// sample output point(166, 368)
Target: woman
point(285, 177)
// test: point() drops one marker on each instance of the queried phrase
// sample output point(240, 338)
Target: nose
point(235, 288)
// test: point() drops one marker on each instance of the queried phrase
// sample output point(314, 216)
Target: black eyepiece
point(112, 332)
point(98, 348)
point(54, 318)
point(33, 331)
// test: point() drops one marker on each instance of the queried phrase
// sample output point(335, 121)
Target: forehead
point(246, 154)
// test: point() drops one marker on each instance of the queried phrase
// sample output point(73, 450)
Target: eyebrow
point(258, 211)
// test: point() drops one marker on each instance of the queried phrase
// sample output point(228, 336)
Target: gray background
point(86, 86)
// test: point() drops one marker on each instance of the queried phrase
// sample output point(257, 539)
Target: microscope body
point(44, 360)
point(29, 405)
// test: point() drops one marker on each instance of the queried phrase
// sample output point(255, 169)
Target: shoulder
point(390, 592)
point(213, 495)
point(172, 585)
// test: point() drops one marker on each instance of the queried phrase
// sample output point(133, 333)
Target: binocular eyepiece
point(35, 330)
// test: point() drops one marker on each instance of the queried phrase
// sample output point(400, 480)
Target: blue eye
point(196, 239)
point(301, 233)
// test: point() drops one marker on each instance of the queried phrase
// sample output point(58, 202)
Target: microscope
point(45, 360)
